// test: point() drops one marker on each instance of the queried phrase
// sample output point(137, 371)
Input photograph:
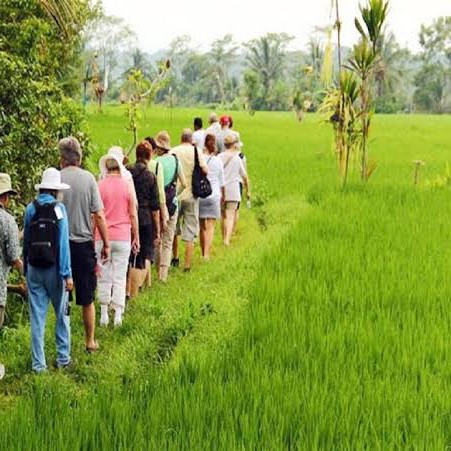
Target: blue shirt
point(64, 266)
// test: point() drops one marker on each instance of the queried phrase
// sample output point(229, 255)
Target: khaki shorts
point(230, 205)
point(188, 220)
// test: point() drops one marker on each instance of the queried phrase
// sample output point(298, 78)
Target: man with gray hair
point(83, 203)
point(188, 226)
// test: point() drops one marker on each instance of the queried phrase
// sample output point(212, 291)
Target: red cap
point(224, 120)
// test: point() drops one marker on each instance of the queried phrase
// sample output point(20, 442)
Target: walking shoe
point(104, 318)
point(63, 366)
point(2, 371)
point(175, 262)
point(118, 317)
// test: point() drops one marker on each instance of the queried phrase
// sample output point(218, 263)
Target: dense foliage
point(37, 60)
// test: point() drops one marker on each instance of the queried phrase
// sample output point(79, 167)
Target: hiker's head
point(51, 183)
point(162, 142)
point(230, 141)
point(187, 136)
point(212, 118)
point(144, 151)
point(224, 121)
point(6, 189)
point(210, 143)
point(198, 124)
point(112, 166)
point(70, 152)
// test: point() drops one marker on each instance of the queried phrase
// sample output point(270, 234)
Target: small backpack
point(200, 183)
point(44, 233)
point(170, 190)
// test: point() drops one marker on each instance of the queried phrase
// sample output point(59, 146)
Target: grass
point(324, 327)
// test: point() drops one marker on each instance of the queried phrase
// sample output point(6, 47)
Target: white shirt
point(215, 175)
point(199, 139)
point(233, 173)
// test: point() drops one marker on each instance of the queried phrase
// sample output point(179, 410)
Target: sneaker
point(118, 317)
point(104, 318)
point(62, 366)
point(2, 371)
point(175, 262)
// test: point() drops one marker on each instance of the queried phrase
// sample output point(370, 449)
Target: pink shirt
point(116, 198)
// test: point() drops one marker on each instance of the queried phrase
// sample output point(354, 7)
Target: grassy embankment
point(325, 327)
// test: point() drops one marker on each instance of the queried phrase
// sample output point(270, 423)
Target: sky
point(157, 23)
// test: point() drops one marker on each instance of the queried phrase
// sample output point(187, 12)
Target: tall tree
point(433, 81)
point(266, 57)
point(222, 54)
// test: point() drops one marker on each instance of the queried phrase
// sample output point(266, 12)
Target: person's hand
point(135, 246)
point(69, 284)
point(105, 253)
point(157, 241)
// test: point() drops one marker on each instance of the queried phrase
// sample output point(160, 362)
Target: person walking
point(210, 207)
point(47, 268)
point(173, 173)
point(188, 219)
point(148, 218)
point(199, 134)
point(9, 246)
point(214, 127)
point(82, 201)
point(234, 172)
point(224, 122)
point(122, 222)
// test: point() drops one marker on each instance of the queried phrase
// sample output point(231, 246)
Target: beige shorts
point(188, 220)
point(230, 205)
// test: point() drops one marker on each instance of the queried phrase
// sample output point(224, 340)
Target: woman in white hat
point(119, 201)
point(47, 267)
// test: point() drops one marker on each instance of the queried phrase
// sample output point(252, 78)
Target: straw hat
point(5, 184)
point(51, 179)
point(163, 140)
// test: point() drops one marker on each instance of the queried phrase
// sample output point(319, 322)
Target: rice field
point(325, 326)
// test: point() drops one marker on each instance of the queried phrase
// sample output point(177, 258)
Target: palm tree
point(63, 12)
point(266, 56)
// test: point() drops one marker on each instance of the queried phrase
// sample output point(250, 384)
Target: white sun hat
point(51, 179)
point(114, 153)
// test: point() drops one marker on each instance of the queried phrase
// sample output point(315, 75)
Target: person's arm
point(155, 209)
point(100, 223)
point(222, 182)
point(202, 163)
point(13, 246)
point(246, 182)
point(64, 249)
point(99, 220)
point(29, 213)
point(133, 215)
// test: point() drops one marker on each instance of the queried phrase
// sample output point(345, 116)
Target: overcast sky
point(157, 23)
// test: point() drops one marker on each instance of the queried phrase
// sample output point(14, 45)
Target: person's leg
point(120, 258)
point(84, 263)
point(210, 231)
point(203, 235)
point(59, 298)
point(2, 315)
point(190, 229)
point(166, 247)
point(38, 302)
point(105, 282)
point(228, 223)
point(235, 220)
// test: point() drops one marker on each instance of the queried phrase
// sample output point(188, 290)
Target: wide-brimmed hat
point(163, 140)
point(51, 179)
point(114, 153)
point(5, 184)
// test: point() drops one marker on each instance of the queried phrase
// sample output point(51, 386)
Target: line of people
point(104, 236)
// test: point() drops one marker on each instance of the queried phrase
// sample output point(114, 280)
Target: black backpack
point(170, 190)
point(44, 234)
point(200, 183)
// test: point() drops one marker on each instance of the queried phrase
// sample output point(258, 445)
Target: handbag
point(200, 183)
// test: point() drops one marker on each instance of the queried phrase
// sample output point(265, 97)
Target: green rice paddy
point(327, 324)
